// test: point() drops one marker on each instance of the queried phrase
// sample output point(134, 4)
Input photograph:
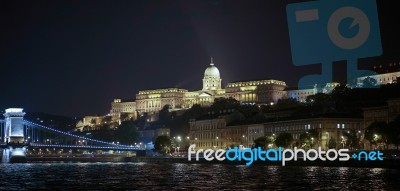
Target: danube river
point(145, 176)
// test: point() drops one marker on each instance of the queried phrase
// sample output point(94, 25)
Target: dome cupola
point(212, 71)
point(212, 79)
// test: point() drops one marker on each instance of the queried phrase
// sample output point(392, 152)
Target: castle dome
point(212, 71)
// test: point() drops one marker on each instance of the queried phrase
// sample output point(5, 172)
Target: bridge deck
point(34, 145)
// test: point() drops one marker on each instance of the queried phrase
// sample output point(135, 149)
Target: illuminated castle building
point(267, 91)
point(251, 92)
point(260, 92)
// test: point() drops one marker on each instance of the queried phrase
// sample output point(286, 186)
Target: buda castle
point(256, 92)
point(267, 91)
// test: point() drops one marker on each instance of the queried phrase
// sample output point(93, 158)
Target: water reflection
point(145, 176)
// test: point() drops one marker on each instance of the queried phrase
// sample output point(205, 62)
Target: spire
point(212, 62)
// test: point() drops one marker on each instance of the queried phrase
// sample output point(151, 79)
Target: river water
point(172, 176)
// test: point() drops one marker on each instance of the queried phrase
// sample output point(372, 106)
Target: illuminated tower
point(14, 129)
point(211, 80)
point(14, 136)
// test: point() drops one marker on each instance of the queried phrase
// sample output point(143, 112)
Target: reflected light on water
point(146, 176)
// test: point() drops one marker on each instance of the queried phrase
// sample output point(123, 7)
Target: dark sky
point(74, 57)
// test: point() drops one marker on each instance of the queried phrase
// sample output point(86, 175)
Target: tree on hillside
point(164, 115)
point(93, 122)
point(286, 103)
point(86, 128)
point(195, 111)
point(369, 82)
point(248, 110)
point(106, 120)
point(319, 99)
point(127, 133)
point(221, 105)
point(141, 121)
point(342, 97)
point(179, 125)
point(124, 117)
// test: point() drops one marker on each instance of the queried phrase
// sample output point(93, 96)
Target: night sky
point(74, 57)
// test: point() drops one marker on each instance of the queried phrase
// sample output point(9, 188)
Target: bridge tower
point(14, 136)
point(14, 128)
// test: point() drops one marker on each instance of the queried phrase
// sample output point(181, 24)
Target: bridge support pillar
point(14, 136)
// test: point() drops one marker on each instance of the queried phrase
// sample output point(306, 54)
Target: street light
point(312, 141)
point(243, 137)
point(179, 142)
point(327, 141)
point(195, 142)
point(216, 140)
point(342, 141)
point(376, 137)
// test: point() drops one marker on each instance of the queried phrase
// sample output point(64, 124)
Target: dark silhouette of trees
point(394, 132)
point(127, 133)
point(221, 105)
point(284, 140)
point(93, 122)
point(124, 117)
point(369, 82)
point(376, 133)
point(263, 142)
point(287, 103)
point(331, 143)
point(179, 125)
point(106, 119)
point(309, 138)
point(164, 116)
point(351, 139)
point(383, 133)
point(320, 103)
point(86, 128)
point(163, 144)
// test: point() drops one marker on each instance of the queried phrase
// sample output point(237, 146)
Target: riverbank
point(76, 159)
point(386, 163)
